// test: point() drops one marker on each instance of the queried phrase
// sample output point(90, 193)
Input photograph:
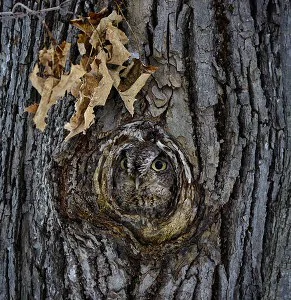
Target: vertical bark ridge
point(13, 143)
point(273, 61)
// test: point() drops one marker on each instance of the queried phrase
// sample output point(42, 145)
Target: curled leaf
point(67, 82)
point(51, 90)
point(94, 92)
point(45, 103)
point(77, 124)
point(128, 96)
point(36, 80)
point(117, 38)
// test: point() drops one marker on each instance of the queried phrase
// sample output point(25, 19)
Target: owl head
point(144, 180)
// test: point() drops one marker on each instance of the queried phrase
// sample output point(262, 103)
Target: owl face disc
point(144, 182)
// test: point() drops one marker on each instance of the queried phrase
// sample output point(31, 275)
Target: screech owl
point(144, 180)
point(144, 185)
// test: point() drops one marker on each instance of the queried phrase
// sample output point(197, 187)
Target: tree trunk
point(222, 93)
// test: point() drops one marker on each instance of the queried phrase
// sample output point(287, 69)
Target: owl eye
point(123, 163)
point(159, 165)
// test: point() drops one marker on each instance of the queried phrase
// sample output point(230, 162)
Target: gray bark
point(222, 91)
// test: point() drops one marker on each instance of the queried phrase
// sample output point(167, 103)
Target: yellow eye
point(159, 165)
point(123, 163)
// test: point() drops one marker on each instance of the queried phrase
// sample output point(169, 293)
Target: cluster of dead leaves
point(105, 63)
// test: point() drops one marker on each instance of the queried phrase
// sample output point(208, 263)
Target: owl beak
point(137, 182)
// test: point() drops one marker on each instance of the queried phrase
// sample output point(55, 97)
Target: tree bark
point(222, 91)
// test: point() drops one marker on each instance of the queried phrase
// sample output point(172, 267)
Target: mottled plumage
point(144, 180)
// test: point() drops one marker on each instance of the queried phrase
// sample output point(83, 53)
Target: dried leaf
point(101, 92)
point(45, 103)
point(95, 66)
point(113, 33)
point(115, 75)
point(75, 89)
point(78, 118)
point(87, 24)
point(90, 81)
point(102, 46)
point(83, 24)
point(96, 39)
point(77, 124)
point(132, 73)
point(82, 41)
point(52, 90)
point(62, 52)
point(96, 17)
point(32, 108)
point(36, 81)
point(94, 92)
point(99, 33)
point(54, 59)
point(67, 82)
point(113, 18)
point(85, 62)
point(129, 95)
point(46, 56)
point(119, 53)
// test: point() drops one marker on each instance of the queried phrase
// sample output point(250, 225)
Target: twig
point(54, 41)
point(28, 11)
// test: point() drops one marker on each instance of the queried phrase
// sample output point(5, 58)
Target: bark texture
point(222, 91)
